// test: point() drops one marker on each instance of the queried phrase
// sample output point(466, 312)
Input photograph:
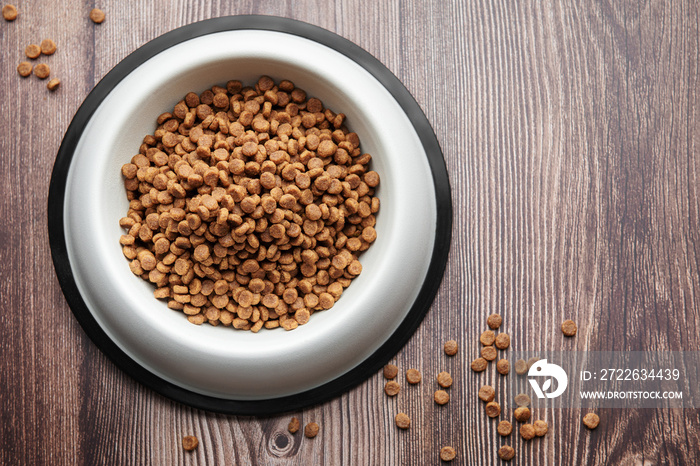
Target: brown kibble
point(48, 47)
point(504, 428)
point(591, 420)
point(522, 413)
point(53, 84)
point(9, 12)
point(568, 328)
point(42, 71)
point(311, 430)
point(32, 51)
point(479, 364)
point(402, 421)
point(392, 388)
point(97, 16)
point(502, 341)
point(413, 376)
point(489, 353)
point(531, 362)
point(494, 321)
point(441, 397)
point(487, 393)
point(390, 371)
point(527, 431)
point(520, 367)
point(487, 338)
point(521, 399)
point(506, 453)
point(293, 426)
point(503, 366)
point(24, 69)
point(493, 409)
point(190, 442)
point(541, 428)
point(447, 453)
point(451, 347)
point(444, 379)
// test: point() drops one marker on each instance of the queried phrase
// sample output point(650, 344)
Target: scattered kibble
point(522, 413)
point(494, 321)
point(190, 442)
point(520, 367)
point(503, 367)
point(502, 341)
point(53, 84)
point(541, 428)
point(568, 328)
point(311, 430)
point(493, 409)
point(24, 69)
point(489, 353)
point(504, 428)
point(451, 347)
point(32, 51)
point(487, 338)
point(447, 453)
point(487, 393)
point(48, 47)
point(413, 376)
point(42, 71)
point(97, 15)
point(527, 431)
point(9, 12)
point(479, 364)
point(531, 362)
point(402, 421)
point(506, 452)
point(444, 379)
point(293, 426)
point(390, 371)
point(392, 388)
point(591, 420)
point(521, 399)
point(441, 397)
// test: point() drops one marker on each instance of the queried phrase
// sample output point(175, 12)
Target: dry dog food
point(531, 362)
point(487, 338)
point(502, 341)
point(97, 15)
point(390, 371)
point(413, 376)
point(9, 12)
point(53, 84)
point(42, 71)
point(494, 321)
point(487, 393)
point(190, 442)
point(441, 397)
point(503, 367)
point(591, 420)
point(451, 347)
point(540, 428)
point(504, 428)
point(392, 388)
point(527, 431)
point(444, 379)
point(522, 413)
point(447, 453)
point(402, 421)
point(493, 409)
point(479, 364)
point(32, 51)
point(521, 399)
point(293, 426)
point(568, 328)
point(249, 206)
point(311, 430)
point(48, 47)
point(520, 367)
point(506, 452)
point(489, 353)
point(24, 69)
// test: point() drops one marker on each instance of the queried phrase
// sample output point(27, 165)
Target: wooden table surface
point(571, 133)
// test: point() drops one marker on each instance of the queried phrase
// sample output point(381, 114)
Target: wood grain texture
point(571, 132)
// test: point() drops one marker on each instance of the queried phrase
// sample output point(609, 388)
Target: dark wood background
point(571, 133)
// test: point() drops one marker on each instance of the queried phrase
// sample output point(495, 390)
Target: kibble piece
point(48, 47)
point(504, 428)
point(520, 367)
point(311, 430)
point(506, 453)
point(413, 376)
point(53, 84)
point(568, 328)
point(521, 399)
point(293, 426)
point(493, 409)
point(527, 431)
point(540, 428)
point(494, 321)
point(441, 397)
point(591, 420)
point(451, 347)
point(503, 367)
point(447, 453)
point(487, 338)
point(522, 413)
point(9, 12)
point(24, 69)
point(479, 364)
point(390, 371)
point(97, 15)
point(402, 421)
point(444, 379)
point(32, 51)
point(189, 442)
point(42, 71)
point(487, 393)
point(502, 341)
point(489, 353)
point(392, 388)
point(531, 362)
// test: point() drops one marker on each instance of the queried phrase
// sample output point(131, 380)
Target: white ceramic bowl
point(220, 362)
